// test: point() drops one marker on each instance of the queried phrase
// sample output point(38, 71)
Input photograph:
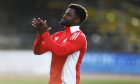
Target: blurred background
point(112, 30)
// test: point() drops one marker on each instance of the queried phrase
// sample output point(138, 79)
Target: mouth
point(62, 20)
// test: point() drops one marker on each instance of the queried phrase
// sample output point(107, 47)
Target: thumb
point(49, 29)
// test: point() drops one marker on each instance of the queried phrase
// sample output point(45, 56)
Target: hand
point(40, 25)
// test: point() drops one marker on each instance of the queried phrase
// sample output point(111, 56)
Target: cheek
point(70, 18)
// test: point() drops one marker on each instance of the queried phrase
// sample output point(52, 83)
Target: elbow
point(59, 54)
point(37, 52)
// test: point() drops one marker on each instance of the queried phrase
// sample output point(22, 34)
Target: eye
point(69, 14)
point(64, 15)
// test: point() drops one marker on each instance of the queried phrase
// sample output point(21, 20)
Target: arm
point(40, 26)
point(39, 46)
point(69, 47)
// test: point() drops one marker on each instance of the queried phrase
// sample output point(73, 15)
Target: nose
point(64, 16)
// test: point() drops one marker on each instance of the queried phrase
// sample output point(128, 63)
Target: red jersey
point(68, 48)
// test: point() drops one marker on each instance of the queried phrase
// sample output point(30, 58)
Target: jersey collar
point(74, 28)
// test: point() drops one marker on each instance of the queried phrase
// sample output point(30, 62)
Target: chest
point(62, 39)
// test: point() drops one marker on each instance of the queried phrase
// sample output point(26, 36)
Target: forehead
point(70, 10)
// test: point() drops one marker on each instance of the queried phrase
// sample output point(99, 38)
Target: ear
point(77, 20)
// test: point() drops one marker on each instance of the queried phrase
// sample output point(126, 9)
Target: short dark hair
point(80, 11)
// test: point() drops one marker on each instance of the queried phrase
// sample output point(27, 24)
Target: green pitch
point(82, 82)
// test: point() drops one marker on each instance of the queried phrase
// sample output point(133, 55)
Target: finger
point(36, 29)
point(44, 21)
point(40, 21)
point(34, 25)
point(33, 22)
point(36, 22)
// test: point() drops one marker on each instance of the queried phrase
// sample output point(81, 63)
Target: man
point(67, 47)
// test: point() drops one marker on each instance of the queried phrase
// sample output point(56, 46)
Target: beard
point(66, 22)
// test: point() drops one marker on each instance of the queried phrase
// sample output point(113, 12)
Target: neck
point(64, 27)
point(72, 25)
point(75, 25)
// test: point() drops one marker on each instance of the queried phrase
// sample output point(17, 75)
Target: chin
point(65, 24)
point(62, 23)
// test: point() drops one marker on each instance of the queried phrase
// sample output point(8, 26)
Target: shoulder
point(78, 35)
point(78, 38)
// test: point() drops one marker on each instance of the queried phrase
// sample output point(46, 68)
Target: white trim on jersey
point(69, 69)
point(74, 29)
point(74, 36)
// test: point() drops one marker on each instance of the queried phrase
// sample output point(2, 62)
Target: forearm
point(38, 47)
point(59, 49)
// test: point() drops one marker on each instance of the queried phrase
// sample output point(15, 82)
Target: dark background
point(112, 25)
